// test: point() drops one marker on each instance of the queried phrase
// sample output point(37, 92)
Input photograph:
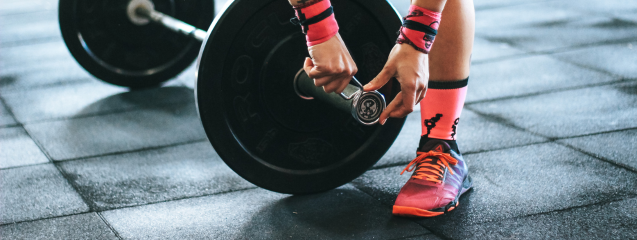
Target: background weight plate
point(102, 39)
point(254, 119)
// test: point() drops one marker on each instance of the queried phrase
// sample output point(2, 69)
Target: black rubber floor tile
point(517, 182)
point(30, 76)
point(77, 100)
point(484, 50)
point(28, 66)
point(343, 213)
point(150, 126)
point(527, 75)
point(564, 34)
point(405, 145)
point(17, 34)
point(82, 226)
point(620, 59)
point(26, 6)
point(423, 237)
point(5, 117)
point(618, 147)
point(484, 5)
point(475, 133)
point(18, 149)
point(570, 113)
point(15, 20)
point(521, 14)
point(598, 7)
point(615, 220)
point(20, 57)
point(35, 192)
point(152, 176)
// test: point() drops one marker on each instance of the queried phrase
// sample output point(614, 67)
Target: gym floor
point(549, 132)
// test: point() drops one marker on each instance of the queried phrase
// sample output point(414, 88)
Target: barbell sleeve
point(365, 107)
point(172, 23)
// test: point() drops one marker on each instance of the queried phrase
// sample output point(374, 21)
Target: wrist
point(419, 28)
point(317, 21)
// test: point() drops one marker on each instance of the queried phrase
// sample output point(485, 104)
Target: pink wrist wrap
point(419, 28)
point(317, 20)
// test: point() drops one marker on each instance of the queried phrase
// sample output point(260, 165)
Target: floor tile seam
point(411, 236)
point(505, 58)
point(600, 158)
point(44, 218)
point(600, 203)
point(24, 13)
point(464, 154)
point(495, 6)
point(23, 89)
point(502, 121)
point(530, 52)
point(9, 111)
point(179, 199)
point(25, 166)
point(144, 149)
point(586, 45)
point(585, 66)
point(25, 42)
point(37, 143)
point(556, 90)
point(98, 114)
point(72, 184)
point(597, 133)
point(497, 119)
point(112, 209)
point(108, 224)
point(408, 219)
point(105, 155)
point(550, 54)
point(10, 125)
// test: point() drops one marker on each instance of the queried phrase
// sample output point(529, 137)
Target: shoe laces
point(430, 165)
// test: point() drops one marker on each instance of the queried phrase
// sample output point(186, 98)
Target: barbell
point(138, 43)
point(250, 106)
point(260, 111)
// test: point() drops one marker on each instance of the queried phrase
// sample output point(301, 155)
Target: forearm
point(433, 5)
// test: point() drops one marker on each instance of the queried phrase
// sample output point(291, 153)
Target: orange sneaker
point(440, 177)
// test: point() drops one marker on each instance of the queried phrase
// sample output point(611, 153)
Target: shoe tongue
point(436, 146)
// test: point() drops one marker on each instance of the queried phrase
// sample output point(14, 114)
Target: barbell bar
point(140, 12)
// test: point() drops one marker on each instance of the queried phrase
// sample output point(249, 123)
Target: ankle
point(452, 143)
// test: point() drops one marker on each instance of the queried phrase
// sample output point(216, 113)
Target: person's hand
point(411, 68)
point(331, 65)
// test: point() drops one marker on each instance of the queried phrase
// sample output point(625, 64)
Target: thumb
point(308, 65)
point(379, 81)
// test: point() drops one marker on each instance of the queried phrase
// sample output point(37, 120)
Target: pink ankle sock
point(440, 109)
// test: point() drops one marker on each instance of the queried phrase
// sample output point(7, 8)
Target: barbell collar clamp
point(365, 107)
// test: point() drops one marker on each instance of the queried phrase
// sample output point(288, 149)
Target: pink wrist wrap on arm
point(419, 28)
point(320, 31)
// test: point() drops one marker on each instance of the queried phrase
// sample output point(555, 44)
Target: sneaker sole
point(417, 212)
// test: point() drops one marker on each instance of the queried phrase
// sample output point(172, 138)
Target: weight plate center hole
point(139, 10)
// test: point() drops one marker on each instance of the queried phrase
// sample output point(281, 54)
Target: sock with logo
point(440, 111)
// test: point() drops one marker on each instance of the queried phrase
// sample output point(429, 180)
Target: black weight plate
point(102, 39)
point(255, 121)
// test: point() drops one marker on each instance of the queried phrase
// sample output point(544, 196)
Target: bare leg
point(450, 55)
